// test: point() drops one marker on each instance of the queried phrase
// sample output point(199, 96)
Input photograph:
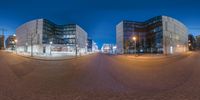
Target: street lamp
point(15, 45)
point(15, 41)
point(26, 47)
point(134, 39)
point(50, 46)
point(76, 49)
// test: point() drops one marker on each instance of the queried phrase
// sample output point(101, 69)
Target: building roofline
point(145, 21)
point(29, 22)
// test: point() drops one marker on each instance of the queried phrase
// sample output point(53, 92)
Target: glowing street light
point(15, 41)
point(134, 39)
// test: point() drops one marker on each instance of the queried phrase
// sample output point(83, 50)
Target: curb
point(149, 57)
point(43, 59)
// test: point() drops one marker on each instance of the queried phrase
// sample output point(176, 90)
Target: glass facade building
point(46, 37)
point(89, 44)
point(161, 34)
point(198, 42)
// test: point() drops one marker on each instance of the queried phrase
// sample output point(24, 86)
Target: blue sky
point(98, 17)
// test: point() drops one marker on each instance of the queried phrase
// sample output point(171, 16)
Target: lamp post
point(134, 39)
point(50, 46)
point(76, 49)
point(26, 47)
point(16, 45)
point(13, 46)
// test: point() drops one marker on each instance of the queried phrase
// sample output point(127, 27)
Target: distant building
point(48, 38)
point(198, 42)
point(2, 42)
point(89, 45)
point(160, 34)
point(92, 46)
point(108, 48)
point(95, 47)
point(191, 42)
point(11, 42)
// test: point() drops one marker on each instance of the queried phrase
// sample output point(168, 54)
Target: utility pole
point(31, 46)
point(76, 45)
point(50, 47)
point(135, 40)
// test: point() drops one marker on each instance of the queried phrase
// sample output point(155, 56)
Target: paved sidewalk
point(45, 58)
point(49, 58)
point(154, 56)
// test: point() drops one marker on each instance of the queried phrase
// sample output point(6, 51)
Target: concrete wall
point(33, 30)
point(30, 31)
point(81, 39)
point(175, 36)
point(119, 38)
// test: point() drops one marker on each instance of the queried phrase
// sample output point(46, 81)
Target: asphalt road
point(100, 77)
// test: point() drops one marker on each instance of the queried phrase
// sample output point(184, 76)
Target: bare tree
point(31, 35)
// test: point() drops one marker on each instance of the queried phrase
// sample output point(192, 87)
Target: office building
point(11, 42)
point(91, 46)
point(161, 34)
point(95, 47)
point(108, 48)
point(43, 37)
point(198, 42)
point(191, 42)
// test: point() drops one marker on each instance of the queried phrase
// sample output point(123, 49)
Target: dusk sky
point(98, 17)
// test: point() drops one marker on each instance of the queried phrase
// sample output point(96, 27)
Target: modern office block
point(44, 37)
point(11, 42)
point(191, 42)
point(198, 42)
point(161, 34)
point(108, 48)
point(91, 46)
